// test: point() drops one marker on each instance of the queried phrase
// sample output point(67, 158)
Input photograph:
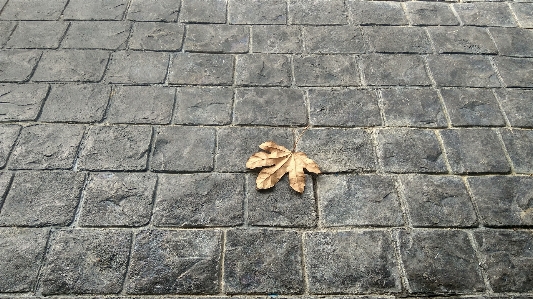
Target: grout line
point(150, 223)
point(151, 147)
point(444, 152)
point(37, 288)
point(305, 275)
point(515, 17)
point(9, 185)
point(452, 8)
point(407, 15)
point(481, 271)
point(381, 107)
point(81, 201)
point(404, 206)
point(479, 218)
point(318, 211)
point(246, 204)
point(63, 36)
point(377, 151)
point(504, 114)
point(444, 108)
point(497, 71)
point(222, 273)
point(504, 148)
point(81, 145)
point(125, 282)
point(112, 90)
point(395, 235)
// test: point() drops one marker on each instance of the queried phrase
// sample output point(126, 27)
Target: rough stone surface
point(262, 70)
point(17, 65)
point(156, 36)
point(201, 69)
point(33, 10)
point(203, 11)
point(154, 10)
point(317, 12)
point(524, 13)
point(396, 69)
point(6, 28)
point(376, 13)
point(518, 107)
point(8, 136)
point(513, 41)
point(137, 67)
point(21, 102)
point(519, 145)
point(37, 34)
point(463, 70)
point(472, 107)
point(5, 181)
point(217, 38)
point(515, 72)
point(203, 106)
point(276, 39)
point(334, 39)
point(95, 10)
point(390, 39)
point(72, 65)
point(473, 40)
point(485, 14)
point(257, 11)
point(430, 13)
point(106, 35)
point(324, 70)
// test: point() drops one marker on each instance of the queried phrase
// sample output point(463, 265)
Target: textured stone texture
point(463, 70)
point(262, 70)
point(326, 70)
point(518, 106)
point(201, 69)
point(21, 102)
point(6, 28)
point(8, 136)
point(277, 39)
point(203, 11)
point(515, 72)
point(37, 34)
point(513, 41)
point(394, 70)
point(524, 14)
point(317, 12)
point(97, 35)
point(376, 13)
point(203, 106)
point(257, 11)
point(95, 10)
point(157, 36)
point(473, 40)
point(137, 67)
point(472, 107)
point(390, 39)
point(334, 39)
point(485, 14)
point(154, 10)
point(5, 181)
point(33, 10)
point(72, 65)
point(217, 38)
point(430, 13)
point(17, 65)
point(519, 145)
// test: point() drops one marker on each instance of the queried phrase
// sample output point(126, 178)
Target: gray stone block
point(343, 108)
point(175, 262)
point(376, 13)
point(137, 67)
point(326, 70)
point(412, 107)
point(506, 258)
point(37, 34)
point(269, 106)
point(42, 198)
point(21, 254)
point(33, 10)
point(154, 10)
point(95, 10)
point(262, 70)
point(351, 262)
point(17, 65)
point(503, 201)
point(257, 12)
point(334, 39)
point(474, 151)
point(97, 35)
point(410, 150)
point(429, 13)
point(473, 40)
point(391, 39)
point(201, 69)
point(438, 201)
point(518, 106)
point(485, 14)
point(6, 28)
point(8, 136)
point(118, 199)
point(20, 102)
point(203, 11)
point(199, 200)
point(515, 72)
point(183, 149)
point(524, 14)
point(472, 107)
point(358, 200)
point(273, 262)
point(203, 106)
point(5, 182)
point(217, 38)
point(317, 12)
point(115, 148)
point(277, 39)
point(519, 145)
point(47, 146)
point(157, 36)
point(440, 261)
point(72, 66)
point(512, 41)
point(396, 69)
point(463, 70)
point(281, 205)
point(83, 261)
point(141, 105)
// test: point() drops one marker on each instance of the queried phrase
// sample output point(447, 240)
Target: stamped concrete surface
point(125, 126)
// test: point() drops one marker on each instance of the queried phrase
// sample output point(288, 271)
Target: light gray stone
point(37, 35)
point(317, 12)
point(473, 40)
point(154, 10)
point(515, 72)
point(519, 145)
point(21, 102)
point(108, 35)
point(203, 106)
point(157, 36)
point(430, 13)
point(17, 65)
point(6, 28)
point(201, 69)
point(33, 10)
point(257, 11)
point(262, 70)
point(485, 14)
point(334, 39)
point(326, 70)
point(513, 41)
point(72, 66)
point(217, 38)
point(137, 67)
point(463, 70)
point(203, 11)
point(397, 69)
point(391, 39)
point(524, 14)
point(376, 12)
point(95, 10)
point(518, 106)
point(8, 136)
point(277, 39)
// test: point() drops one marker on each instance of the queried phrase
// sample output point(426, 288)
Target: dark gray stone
point(485, 14)
point(429, 13)
point(115, 148)
point(262, 70)
point(72, 65)
point(154, 10)
point(46, 146)
point(97, 35)
point(396, 69)
point(519, 145)
point(269, 106)
point(175, 262)
point(376, 13)
point(334, 39)
point(257, 12)
point(21, 102)
point(343, 108)
point(512, 41)
point(524, 14)
point(277, 39)
point(137, 67)
point(6, 28)
point(203, 11)
point(412, 107)
point(217, 38)
point(326, 70)
point(8, 136)
point(440, 261)
point(183, 149)
point(410, 150)
point(273, 262)
point(518, 106)
point(21, 254)
point(95, 10)
point(201, 69)
point(33, 10)
point(203, 105)
point(157, 36)
point(351, 262)
point(37, 34)
point(358, 200)
point(280, 205)
point(438, 201)
point(463, 70)
point(506, 257)
point(503, 200)
point(83, 261)
point(472, 107)
point(391, 39)
point(141, 105)
point(473, 40)
point(515, 72)
point(474, 151)
point(42, 198)
point(17, 65)
point(200, 200)
point(317, 12)
point(118, 199)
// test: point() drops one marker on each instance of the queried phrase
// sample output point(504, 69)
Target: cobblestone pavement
point(126, 125)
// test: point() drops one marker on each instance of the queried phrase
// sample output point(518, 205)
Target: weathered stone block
point(376, 13)
point(72, 65)
point(257, 11)
point(17, 65)
point(334, 39)
point(217, 38)
point(326, 70)
point(519, 145)
point(277, 39)
point(463, 70)
point(317, 12)
point(157, 36)
point(97, 35)
point(524, 14)
point(513, 41)
point(8, 136)
point(5, 182)
point(33, 10)
point(472, 107)
point(21, 102)
point(429, 13)
point(95, 10)
point(485, 14)
point(518, 106)
point(137, 67)
point(203, 106)
point(37, 34)
point(473, 40)
point(203, 11)
point(154, 10)
point(515, 72)
point(201, 69)
point(391, 39)
point(396, 69)
point(262, 70)
point(6, 28)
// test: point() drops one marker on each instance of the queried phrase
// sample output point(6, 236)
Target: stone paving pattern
point(125, 126)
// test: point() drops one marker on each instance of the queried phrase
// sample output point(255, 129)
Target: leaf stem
point(299, 137)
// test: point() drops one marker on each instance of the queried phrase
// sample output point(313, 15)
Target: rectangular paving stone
point(6, 28)
point(42, 198)
point(95, 10)
point(485, 14)
point(440, 261)
point(326, 70)
point(317, 12)
point(118, 199)
point(201, 69)
point(175, 262)
point(503, 201)
point(141, 105)
point(107, 35)
point(518, 106)
point(515, 72)
point(269, 106)
point(506, 255)
point(472, 107)
point(203, 106)
point(18, 65)
point(47, 146)
point(257, 11)
point(37, 35)
point(524, 14)
point(33, 10)
point(21, 254)
point(474, 151)
point(203, 11)
point(519, 145)
point(376, 13)
point(358, 200)
point(262, 70)
point(86, 261)
point(343, 108)
point(405, 150)
point(72, 66)
point(276, 39)
point(351, 262)
point(20, 102)
point(199, 200)
point(513, 41)
point(333, 39)
point(8, 136)
point(137, 67)
point(463, 70)
point(115, 148)
point(156, 36)
point(398, 69)
point(430, 13)
point(473, 40)
point(183, 149)
point(217, 38)
point(273, 262)
point(412, 107)
point(391, 39)
point(154, 10)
